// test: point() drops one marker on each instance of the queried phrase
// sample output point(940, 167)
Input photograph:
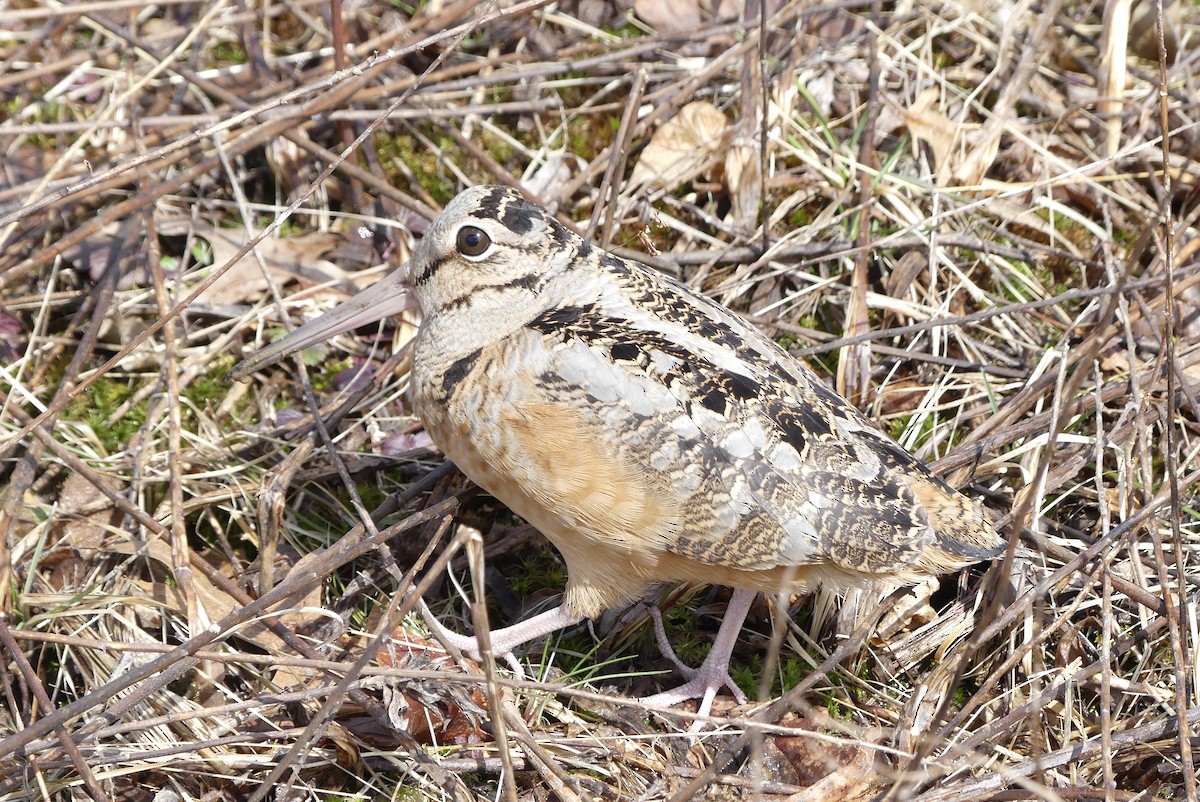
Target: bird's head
point(490, 248)
point(487, 257)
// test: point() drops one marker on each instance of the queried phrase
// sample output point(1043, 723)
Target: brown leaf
point(669, 16)
point(935, 129)
point(906, 270)
point(214, 601)
point(83, 519)
point(112, 243)
point(87, 515)
point(23, 164)
point(682, 148)
point(285, 259)
point(12, 337)
point(744, 181)
point(901, 396)
point(1143, 31)
point(831, 771)
point(431, 711)
point(551, 179)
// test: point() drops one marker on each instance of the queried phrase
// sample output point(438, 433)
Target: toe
point(703, 686)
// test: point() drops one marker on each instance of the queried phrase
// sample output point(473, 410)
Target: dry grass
point(961, 225)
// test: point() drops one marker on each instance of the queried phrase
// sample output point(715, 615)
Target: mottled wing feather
point(772, 469)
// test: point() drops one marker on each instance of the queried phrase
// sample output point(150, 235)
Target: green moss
point(83, 39)
point(801, 217)
point(423, 164)
point(788, 674)
point(40, 112)
point(944, 61)
point(225, 53)
point(838, 698)
point(586, 136)
point(683, 633)
point(897, 426)
point(538, 571)
point(407, 157)
point(627, 30)
point(213, 386)
point(97, 407)
point(372, 495)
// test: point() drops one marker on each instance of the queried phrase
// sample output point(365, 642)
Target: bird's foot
point(713, 674)
point(697, 685)
point(704, 683)
point(664, 645)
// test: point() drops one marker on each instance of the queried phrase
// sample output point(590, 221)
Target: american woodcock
point(648, 432)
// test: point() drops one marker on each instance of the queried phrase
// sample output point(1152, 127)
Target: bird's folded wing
point(768, 468)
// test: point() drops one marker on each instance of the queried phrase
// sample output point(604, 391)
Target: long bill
point(384, 298)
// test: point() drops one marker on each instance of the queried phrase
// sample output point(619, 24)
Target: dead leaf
point(214, 601)
point(830, 771)
point(12, 337)
point(24, 164)
point(904, 273)
point(743, 178)
point(901, 396)
point(935, 129)
point(736, 9)
point(908, 610)
point(669, 16)
point(1143, 31)
point(399, 443)
point(112, 243)
point(85, 516)
point(431, 711)
point(682, 148)
point(550, 180)
point(285, 259)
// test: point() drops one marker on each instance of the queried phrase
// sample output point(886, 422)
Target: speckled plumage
point(648, 432)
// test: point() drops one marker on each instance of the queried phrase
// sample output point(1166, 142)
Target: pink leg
point(713, 673)
point(505, 640)
point(664, 644)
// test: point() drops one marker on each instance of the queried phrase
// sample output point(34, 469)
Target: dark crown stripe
point(518, 216)
point(493, 201)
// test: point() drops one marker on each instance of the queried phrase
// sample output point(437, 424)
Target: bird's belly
point(480, 457)
point(552, 467)
point(610, 523)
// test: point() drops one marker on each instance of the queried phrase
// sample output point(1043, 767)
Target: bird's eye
point(473, 241)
